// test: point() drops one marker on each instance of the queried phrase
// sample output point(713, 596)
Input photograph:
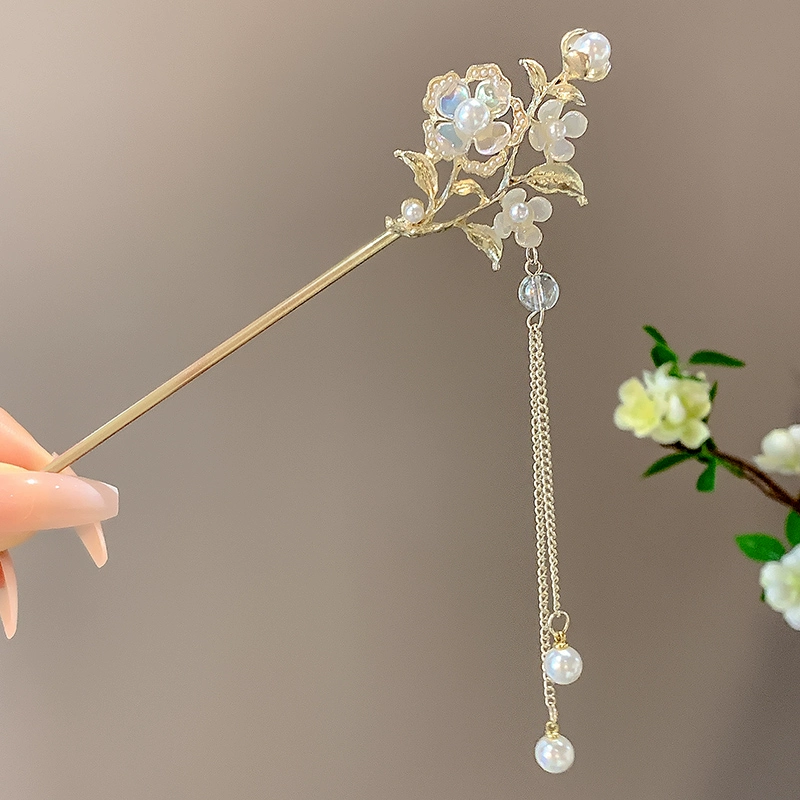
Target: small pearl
point(518, 212)
point(595, 47)
point(554, 754)
point(471, 116)
point(563, 665)
point(413, 211)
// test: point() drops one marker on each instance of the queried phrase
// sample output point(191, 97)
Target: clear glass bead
point(538, 292)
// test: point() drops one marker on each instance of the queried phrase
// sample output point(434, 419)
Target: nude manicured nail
point(91, 535)
point(8, 594)
point(41, 500)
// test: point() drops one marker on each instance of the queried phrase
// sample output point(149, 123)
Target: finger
point(8, 594)
point(18, 447)
point(42, 500)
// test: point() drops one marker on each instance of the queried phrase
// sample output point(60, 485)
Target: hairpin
point(478, 127)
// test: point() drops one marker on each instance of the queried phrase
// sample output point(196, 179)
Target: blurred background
point(322, 581)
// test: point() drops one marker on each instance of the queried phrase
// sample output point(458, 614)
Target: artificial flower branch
point(672, 406)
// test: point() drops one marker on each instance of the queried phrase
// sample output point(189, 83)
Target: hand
point(31, 500)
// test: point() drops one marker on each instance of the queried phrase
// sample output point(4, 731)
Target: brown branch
point(750, 472)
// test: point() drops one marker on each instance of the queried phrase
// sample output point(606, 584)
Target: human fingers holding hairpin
point(32, 500)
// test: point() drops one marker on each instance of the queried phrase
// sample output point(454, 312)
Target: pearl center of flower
point(518, 212)
point(471, 116)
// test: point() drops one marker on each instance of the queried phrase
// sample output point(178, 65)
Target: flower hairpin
point(477, 125)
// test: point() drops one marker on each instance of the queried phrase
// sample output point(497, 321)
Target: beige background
point(321, 581)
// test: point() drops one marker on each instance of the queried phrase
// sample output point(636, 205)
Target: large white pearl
point(554, 754)
point(595, 47)
point(471, 116)
point(563, 666)
point(412, 210)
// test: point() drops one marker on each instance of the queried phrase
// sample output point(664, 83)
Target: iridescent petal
point(451, 98)
point(529, 236)
point(560, 150)
point(541, 209)
point(512, 197)
point(550, 110)
point(575, 124)
point(537, 136)
point(495, 95)
point(448, 140)
point(502, 225)
point(492, 138)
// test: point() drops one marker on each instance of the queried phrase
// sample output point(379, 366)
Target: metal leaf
point(555, 177)
point(567, 93)
point(569, 38)
point(486, 240)
point(468, 186)
point(536, 74)
point(425, 175)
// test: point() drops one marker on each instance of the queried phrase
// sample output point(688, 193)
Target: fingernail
point(94, 541)
point(42, 500)
point(8, 594)
point(91, 535)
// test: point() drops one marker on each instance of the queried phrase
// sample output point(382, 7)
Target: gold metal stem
point(218, 353)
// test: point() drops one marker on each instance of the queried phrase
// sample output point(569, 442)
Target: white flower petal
point(792, 617)
point(451, 98)
point(492, 138)
point(449, 141)
point(550, 110)
point(529, 236)
point(502, 225)
point(541, 209)
point(537, 136)
point(560, 150)
point(575, 123)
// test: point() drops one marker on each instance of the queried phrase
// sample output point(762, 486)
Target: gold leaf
point(486, 240)
point(554, 177)
point(468, 186)
point(536, 74)
point(570, 38)
point(425, 175)
point(567, 93)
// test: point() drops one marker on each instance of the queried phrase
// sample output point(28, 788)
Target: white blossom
point(667, 408)
point(781, 583)
point(780, 451)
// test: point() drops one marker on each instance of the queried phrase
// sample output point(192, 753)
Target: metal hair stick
point(221, 351)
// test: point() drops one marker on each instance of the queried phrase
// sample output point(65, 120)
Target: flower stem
point(750, 472)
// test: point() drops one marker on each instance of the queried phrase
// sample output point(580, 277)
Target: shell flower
point(460, 119)
point(518, 217)
point(551, 132)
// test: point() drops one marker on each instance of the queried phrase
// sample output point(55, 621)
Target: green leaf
point(651, 331)
point(760, 546)
point(793, 528)
point(708, 477)
point(712, 395)
point(715, 358)
point(763, 596)
point(661, 354)
point(672, 460)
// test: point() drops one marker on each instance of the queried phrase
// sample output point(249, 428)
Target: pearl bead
point(563, 665)
point(471, 116)
point(554, 754)
point(412, 210)
point(595, 47)
point(518, 212)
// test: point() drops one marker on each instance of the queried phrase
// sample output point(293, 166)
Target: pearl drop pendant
point(563, 665)
point(554, 753)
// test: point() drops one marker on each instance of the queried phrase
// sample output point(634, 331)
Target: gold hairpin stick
point(493, 122)
point(458, 120)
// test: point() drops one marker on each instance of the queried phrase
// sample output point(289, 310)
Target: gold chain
point(544, 505)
